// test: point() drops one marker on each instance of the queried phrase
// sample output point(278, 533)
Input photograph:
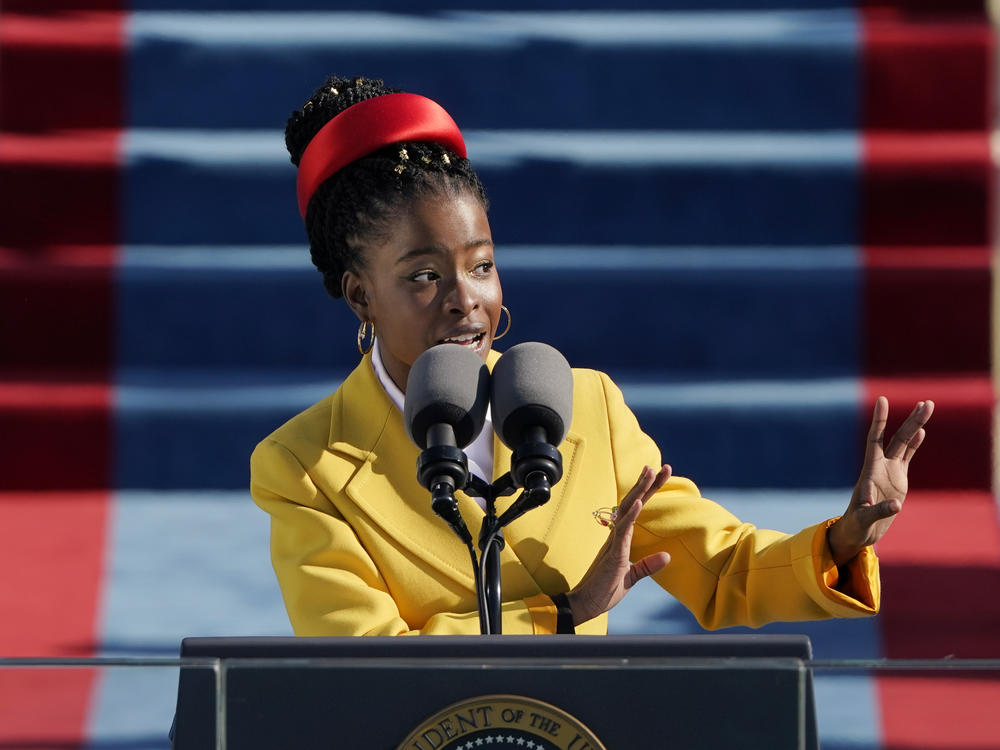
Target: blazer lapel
point(369, 427)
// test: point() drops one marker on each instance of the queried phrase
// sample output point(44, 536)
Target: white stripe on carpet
point(257, 149)
point(200, 258)
point(837, 28)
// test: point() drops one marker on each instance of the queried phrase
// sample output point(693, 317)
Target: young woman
point(397, 225)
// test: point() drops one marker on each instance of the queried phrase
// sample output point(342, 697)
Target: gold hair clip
point(425, 159)
point(403, 155)
point(398, 169)
point(606, 516)
point(358, 81)
point(445, 158)
point(334, 91)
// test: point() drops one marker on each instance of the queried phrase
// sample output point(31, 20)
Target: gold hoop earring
point(362, 334)
point(509, 321)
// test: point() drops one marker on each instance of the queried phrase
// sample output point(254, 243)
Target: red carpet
point(61, 107)
point(924, 713)
point(928, 229)
point(53, 546)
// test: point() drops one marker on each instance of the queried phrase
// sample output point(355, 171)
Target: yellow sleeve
point(330, 584)
point(725, 571)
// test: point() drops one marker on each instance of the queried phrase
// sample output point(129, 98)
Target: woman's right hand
point(612, 574)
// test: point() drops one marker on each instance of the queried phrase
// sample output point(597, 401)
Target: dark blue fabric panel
point(529, 85)
point(409, 6)
point(185, 203)
point(563, 202)
point(177, 449)
point(676, 324)
point(534, 202)
point(272, 321)
point(769, 446)
point(164, 449)
point(692, 324)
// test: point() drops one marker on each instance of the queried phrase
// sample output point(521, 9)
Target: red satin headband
point(367, 126)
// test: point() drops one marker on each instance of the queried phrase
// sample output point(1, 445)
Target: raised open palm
point(881, 489)
point(612, 574)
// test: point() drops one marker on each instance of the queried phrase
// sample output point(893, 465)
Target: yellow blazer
point(358, 550)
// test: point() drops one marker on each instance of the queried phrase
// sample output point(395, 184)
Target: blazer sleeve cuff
point(852, 591)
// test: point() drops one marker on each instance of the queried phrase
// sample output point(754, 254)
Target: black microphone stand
point(491, 543)
point(535, 466)
point(442, 469)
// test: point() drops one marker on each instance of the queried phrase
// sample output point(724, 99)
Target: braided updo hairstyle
point(352, 205)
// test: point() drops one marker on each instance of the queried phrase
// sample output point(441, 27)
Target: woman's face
point(427, 279)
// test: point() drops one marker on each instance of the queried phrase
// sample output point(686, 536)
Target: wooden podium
point(498, 693)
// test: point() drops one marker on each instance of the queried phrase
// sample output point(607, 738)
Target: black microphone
point(532, 400)
point(447, 392)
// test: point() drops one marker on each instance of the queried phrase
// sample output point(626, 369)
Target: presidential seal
point(501, 722)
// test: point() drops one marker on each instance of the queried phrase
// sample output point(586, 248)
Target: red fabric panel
point(61, 103)
point(59, 189)
point(957, 453)
point(57, 321)
point(927, 228)
point(61, 70)
point(53, 548)
point(927, 190)
point(940, 578)
point(76, 149)
point(932, 712)
point(52, 553)
point(57, 311)
point(44, 709)
point(927, 310)
point(946, 8)
point(58, 435)
point(55, 6)
point(949, 528)
point(926, 73)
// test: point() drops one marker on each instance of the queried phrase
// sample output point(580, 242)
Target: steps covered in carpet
point(756, 220)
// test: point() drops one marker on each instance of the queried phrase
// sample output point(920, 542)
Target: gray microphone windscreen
point(532, 387)
point(448, 384)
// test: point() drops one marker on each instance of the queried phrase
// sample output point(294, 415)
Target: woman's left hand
point(881, 489)
point(612, 574)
